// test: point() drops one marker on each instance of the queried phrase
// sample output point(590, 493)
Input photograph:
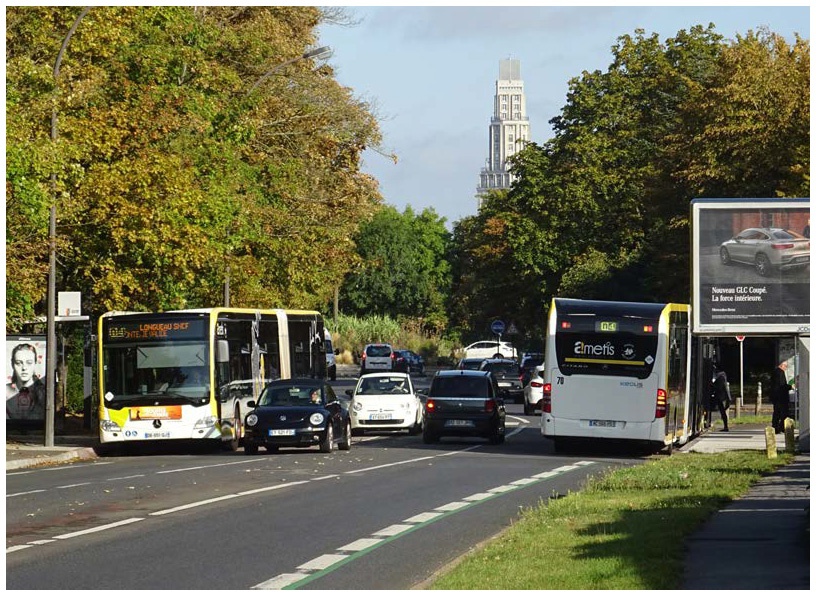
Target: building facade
point(509, 129)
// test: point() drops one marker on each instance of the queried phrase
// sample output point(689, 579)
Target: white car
point(385, 401)
point(490, 349)
point(534, 392)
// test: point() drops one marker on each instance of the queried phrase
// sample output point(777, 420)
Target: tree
point(186, 153)
point(403, 271)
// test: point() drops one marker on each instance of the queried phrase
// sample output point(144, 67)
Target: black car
point(508, 376)
point(408, 361)
point(297, 413)
point(464, 403)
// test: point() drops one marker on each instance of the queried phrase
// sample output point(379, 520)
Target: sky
point(430, 73)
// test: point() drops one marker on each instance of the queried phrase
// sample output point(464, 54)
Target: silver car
point(767, 249)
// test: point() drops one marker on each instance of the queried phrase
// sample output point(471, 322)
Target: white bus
point(617, 370)
point(188, 374)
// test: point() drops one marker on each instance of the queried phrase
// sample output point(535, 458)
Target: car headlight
point(358, 406)
point(316, 419)
point(252, 420)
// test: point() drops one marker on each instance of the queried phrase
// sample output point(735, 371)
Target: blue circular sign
point(497, 327)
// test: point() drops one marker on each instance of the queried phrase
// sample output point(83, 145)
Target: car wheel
point(333, 373)
point(271, 448)
point(327, 444)
point(237, 431)
point(528, 410)
point(251, 449)
point(345, 443)
point(497, 437)
point(725, 258)
point(357, 432)
point(429, 437)
point(497, 355)
point(416, 428)
point(763, 265)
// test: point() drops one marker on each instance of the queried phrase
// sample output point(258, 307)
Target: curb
point(84, 453)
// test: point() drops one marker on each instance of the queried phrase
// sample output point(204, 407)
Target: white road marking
point(29, 492)
point(123, 522)
point(74, 485)
point(361, 544)
point(396, 463)
point(322, 562)
point(14, 549)
point(231, 463)
point(392, 530)
point(126, 477)
point(196, 504)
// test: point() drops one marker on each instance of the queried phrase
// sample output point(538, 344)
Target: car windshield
point(378, 351)
point(383, 386)
point(459, 387)
point(290, 395)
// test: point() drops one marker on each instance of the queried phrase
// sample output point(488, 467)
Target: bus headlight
point(206, 422)
point(251, 420)
point(316, 419)
point(109, 426)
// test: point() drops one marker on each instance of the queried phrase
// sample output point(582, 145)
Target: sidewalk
point(762, 540)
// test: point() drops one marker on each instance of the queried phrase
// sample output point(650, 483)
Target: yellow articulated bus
point(188, 374)
point(617, 370)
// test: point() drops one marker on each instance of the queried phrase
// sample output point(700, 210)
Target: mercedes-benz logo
point(283, 418)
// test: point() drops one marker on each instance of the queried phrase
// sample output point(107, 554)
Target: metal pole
point(742, 390)
point(51, 347)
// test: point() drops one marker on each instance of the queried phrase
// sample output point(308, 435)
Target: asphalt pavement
point(759, 541)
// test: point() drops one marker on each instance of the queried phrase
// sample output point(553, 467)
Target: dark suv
point(464, 403)
point(508, 376)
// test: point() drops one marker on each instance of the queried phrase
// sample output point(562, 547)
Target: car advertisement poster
point(25, 378)
point(750, 266)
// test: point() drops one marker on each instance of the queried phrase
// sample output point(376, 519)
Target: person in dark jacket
point(720, 398)
point(780, 396)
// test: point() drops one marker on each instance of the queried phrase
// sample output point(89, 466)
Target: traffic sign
point(512, 330)
point(740, 337)
point(497, 327)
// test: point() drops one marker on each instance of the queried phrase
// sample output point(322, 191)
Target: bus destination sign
point(156, 330)
point(606, 326)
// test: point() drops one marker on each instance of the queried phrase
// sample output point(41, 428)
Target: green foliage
point(403, 271)
point(192, 145)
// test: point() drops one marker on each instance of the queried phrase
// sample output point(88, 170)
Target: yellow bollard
point(770, 442)
point(790, 445)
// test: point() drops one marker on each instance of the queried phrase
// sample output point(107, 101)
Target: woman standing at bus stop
point(780, 396)
point(720, 396)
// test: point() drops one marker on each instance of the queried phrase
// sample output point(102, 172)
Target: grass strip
point(624, 531)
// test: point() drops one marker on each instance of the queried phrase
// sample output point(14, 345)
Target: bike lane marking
point(316, 568)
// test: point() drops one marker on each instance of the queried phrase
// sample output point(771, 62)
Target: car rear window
point(459, 387)
point(501, 368)
point(378, 351)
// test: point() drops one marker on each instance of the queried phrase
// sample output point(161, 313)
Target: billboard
point(25, 378)
point(750, 266)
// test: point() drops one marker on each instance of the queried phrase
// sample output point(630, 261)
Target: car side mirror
point(349, 392)
point(251, 403)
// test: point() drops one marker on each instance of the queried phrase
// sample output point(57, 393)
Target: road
point(385, 515)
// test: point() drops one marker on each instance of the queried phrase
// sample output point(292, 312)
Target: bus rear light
point(648, 329)
point(661, 407)
point(565, 324)
point(546, 400)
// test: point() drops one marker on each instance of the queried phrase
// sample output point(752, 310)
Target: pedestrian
point(806, 231)
point(780, 396)
point(720, 397)
point(25, 394)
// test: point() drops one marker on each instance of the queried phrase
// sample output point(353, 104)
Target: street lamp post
point(51, 346)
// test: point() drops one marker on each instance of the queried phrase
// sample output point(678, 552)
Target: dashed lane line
point(326, 563)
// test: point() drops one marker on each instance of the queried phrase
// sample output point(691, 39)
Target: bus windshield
point(156, 359)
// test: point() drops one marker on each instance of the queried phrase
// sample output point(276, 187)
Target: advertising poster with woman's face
point(25, 378)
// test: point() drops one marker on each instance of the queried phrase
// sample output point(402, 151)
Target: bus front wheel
point(237, 431)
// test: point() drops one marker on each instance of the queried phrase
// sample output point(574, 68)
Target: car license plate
point(282, 432)
point(505, 384)
point(380, 417)
point(459, 423)
point(607, 423)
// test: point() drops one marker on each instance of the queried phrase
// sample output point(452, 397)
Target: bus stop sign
point(497, 327)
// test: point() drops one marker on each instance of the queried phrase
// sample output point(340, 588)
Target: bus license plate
point(282, 432)
point(459, 423)
point(607, 423)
